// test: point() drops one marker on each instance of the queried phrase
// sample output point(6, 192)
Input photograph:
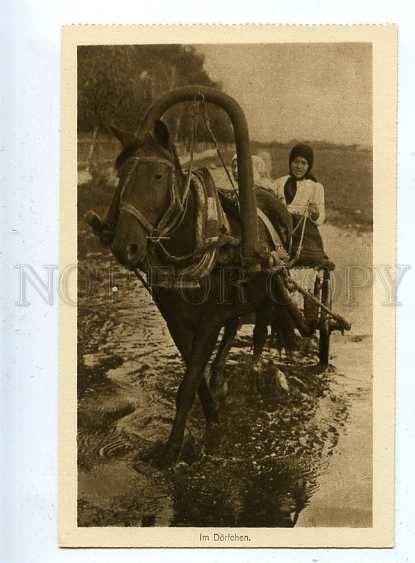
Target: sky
point(298, 91)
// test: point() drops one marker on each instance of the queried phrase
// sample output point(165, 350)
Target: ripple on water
point(268, 446)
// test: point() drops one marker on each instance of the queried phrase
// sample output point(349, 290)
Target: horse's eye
point(159, 176)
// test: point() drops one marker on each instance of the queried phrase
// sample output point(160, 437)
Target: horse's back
point(274, 209)
point(269, 204)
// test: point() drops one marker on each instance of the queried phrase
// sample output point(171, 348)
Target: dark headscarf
point(290, 186)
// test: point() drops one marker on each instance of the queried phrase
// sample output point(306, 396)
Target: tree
point(109, 87)
point(116, 84)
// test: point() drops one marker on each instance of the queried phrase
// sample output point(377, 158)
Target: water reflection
point(262, 473)
point(239, 495)
point(275, 497)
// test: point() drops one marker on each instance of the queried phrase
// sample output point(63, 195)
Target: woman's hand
point(313, 211)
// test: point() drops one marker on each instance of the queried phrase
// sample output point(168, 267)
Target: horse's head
point(151, 192)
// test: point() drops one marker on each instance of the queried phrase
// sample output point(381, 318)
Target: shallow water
point(277, 457)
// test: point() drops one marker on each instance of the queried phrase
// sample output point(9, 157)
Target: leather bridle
point(174, 212)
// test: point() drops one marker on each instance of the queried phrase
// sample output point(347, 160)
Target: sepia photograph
point(223, 341)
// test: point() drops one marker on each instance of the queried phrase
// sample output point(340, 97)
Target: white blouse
point(308, 191)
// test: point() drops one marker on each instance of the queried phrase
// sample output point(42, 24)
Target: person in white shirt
point(304, 197)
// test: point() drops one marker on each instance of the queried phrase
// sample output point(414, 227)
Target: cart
point(325, 319)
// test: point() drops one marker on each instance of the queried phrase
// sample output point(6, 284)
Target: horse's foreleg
point(184, 340)
point(260, 335)
point(260, 332)
point(203, 344)
point(207, 401)
point(217, 381)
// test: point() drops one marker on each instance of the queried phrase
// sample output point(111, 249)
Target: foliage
point(116, 84)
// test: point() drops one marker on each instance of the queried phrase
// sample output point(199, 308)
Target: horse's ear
point(161, 133)
point(125, 137)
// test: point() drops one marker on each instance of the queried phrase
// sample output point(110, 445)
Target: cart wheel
point(325, 330)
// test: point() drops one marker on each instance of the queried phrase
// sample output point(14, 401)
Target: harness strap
point(190, 170)
point(174, 212)
point(152, 159)
point(132, 210)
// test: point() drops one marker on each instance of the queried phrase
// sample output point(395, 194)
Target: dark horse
point(154, 207)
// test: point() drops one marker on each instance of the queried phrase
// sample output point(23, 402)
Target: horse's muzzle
point(129, 254)
point(133, 254)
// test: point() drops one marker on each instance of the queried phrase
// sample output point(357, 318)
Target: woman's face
point(299, 167)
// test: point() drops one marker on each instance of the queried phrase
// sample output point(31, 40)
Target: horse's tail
point(278, 317)
point(285, 316)
point(283, 329)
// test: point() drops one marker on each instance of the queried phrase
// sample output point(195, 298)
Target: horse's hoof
point(191, 452)
point(167, 459)
point(150, 451)
point(271, 382)
point(260, 383)
point(257, 366)
point(280, 381)
point(219, 390)
point(157, 455)
point(213, 436)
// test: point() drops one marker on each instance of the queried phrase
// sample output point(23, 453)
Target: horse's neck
point(183, 240)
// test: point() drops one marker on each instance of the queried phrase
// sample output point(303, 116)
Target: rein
point(291, 263)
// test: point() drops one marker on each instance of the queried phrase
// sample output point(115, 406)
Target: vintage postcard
point(227, 321)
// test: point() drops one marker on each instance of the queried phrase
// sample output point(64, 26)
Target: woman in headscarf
point(304, 197)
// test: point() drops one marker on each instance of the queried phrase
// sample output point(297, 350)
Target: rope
point(305, 217)
point(143, 281)
point(300, 246)
point(192, 144)
point(215, 142)
point(292, 262)
point(205, 116)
